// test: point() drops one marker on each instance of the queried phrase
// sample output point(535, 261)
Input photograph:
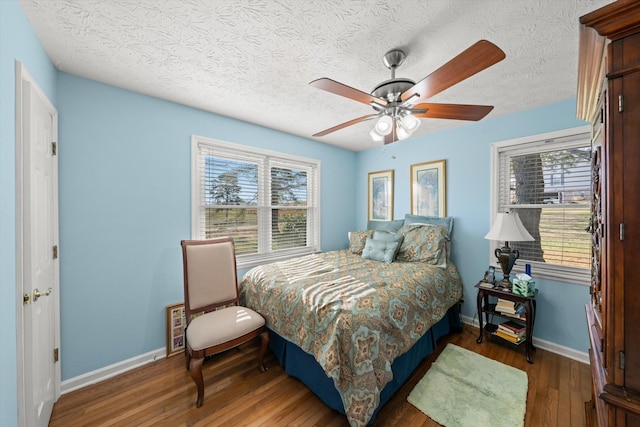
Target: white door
point(38, 253)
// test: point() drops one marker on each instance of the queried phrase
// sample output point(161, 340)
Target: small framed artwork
point(176, 323)
point(428, 189)
point(381, 196)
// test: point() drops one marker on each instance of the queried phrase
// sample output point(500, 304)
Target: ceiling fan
point(398, 102)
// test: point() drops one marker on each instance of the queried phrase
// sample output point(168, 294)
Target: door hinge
point(622, 231)
point(54, 148)
point(55, 251)
point(620, 103)
point(622, 360)
point(56, 355)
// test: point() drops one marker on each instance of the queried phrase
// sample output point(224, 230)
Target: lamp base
point(505, 284)
point(506, 258)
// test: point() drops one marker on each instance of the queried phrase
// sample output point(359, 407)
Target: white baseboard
point(543, 344)
point(111, 371)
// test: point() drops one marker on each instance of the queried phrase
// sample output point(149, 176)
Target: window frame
point(312, 166)
point(557, 272)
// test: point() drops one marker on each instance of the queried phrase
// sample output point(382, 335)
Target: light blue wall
point(124, 161)
point(17, 43)
point(560, 316)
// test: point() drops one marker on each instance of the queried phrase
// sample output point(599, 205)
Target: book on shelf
point(515, 336)
point(511, 308)
point(514, 340)
point(506, 303)
point(486, 285)
point(522, 317)
point(514, 327)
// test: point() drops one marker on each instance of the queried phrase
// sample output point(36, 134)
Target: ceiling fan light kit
point(397, 102)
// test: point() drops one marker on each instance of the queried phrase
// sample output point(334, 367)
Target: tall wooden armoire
point(609, 98)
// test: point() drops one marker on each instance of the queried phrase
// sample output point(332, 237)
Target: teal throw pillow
point(389, 237)
point(379, 250)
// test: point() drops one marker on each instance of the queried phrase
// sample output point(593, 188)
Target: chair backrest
point(210, 274)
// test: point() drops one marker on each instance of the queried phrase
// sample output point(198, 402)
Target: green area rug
point(463, 389)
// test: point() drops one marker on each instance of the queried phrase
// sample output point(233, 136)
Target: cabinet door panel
point(631, 219)
point(614, 288)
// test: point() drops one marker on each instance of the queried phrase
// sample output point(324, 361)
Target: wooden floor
point(237, 393)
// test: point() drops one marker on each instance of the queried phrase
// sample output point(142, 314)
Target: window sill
point(575, 276)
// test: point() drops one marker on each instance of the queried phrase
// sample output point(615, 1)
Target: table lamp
point(508, 228)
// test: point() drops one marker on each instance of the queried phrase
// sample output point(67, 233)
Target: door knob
point(37, 294)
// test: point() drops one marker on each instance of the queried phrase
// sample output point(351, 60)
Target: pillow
point(390, 226)
point(380, 250)
point(446, 222)
point(424, 243)
point(389, 237)
point(357, 240)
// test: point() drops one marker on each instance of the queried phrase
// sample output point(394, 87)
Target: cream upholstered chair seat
point(222, 326)
point(215, 320)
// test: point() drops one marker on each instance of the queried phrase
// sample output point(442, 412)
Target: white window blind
point(268, 202)
point(548, 183)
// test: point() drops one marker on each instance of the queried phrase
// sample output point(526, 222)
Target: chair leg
point(195, 368)
point(264, 339)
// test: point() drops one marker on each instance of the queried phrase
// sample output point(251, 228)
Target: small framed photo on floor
point(176, 324)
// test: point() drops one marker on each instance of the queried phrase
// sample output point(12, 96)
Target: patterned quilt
point(355, 316)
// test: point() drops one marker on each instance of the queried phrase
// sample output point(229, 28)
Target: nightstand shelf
point(492, 328)
point(486, 309)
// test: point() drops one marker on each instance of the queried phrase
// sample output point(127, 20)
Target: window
point(268, 202)
point(546, 179)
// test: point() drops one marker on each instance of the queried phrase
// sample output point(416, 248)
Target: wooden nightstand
point(489, 308)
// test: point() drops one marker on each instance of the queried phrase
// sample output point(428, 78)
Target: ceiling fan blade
point(344, 125)
point(346, 91)
point(476, 58)
point(453, 111)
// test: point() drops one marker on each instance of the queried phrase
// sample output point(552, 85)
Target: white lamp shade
point(410, 123)
point(383, 125)
point(508, 227)
point(376, 136)
point(402, 134)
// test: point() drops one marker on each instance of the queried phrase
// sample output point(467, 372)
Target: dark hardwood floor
point(237, 393)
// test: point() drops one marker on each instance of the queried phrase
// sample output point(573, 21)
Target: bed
point(353, 326)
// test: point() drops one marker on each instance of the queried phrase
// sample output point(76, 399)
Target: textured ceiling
point(253, 59)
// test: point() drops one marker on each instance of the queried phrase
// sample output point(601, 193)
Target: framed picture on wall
point(176, 323)
point(381, 196)
point(428, 189)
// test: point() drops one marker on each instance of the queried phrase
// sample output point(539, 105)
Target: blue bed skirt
point(302, 365)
